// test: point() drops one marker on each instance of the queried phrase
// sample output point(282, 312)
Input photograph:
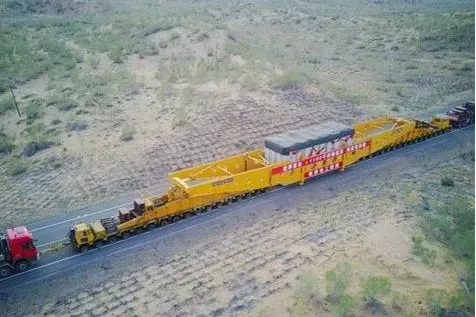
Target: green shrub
point(337, 281)
point(375, 287)
point(16, 166)
point(174, 36)
point(307, 288)
point(6, 103)
point(452, 224)
point(203, 37)
point(76, 125)
point(468, 155)
point(39, 140)
point(428, 256)
point(344, 306)
point(289, 79)
point(127, 134)
point(33, 112)
point(7, 143)
point(32, 147)
point(447, 181)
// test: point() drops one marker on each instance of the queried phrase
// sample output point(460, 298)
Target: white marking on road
point(52, 242)
point(78, 217)
point(137, 236)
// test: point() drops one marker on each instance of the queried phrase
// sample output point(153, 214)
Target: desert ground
point(113, 95)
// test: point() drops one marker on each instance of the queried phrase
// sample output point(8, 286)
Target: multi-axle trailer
point(288, 158)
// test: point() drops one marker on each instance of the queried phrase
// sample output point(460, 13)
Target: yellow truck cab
point(83, 235)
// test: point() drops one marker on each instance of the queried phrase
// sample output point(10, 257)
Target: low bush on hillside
point(452, 224)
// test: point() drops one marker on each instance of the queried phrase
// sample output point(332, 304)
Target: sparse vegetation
point(468, 155)
point(67, 106)
point(374, 289)
point(6, 103)
point(7, 143)
point(180, 116)
point(447, 181)
point(174, 36)
point(452, 224)
point(33, 112)
point(76, 125)
point(16, 166)
point(427, 255)
point(34, 146)
point(127, 134)
point(289, 79)
point(337, 281)
point(38, 140)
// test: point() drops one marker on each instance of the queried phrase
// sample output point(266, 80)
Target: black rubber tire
point(187, 215)
point(175, 219)
point(99, 244)
point(126, 234)
point(139, 230)
point(84, 248)
point(163, 223)
point(113, 239)
point(21, 266)
point(151, 226)
point(5, 271)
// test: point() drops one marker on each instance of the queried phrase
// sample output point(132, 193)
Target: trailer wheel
point(151, 226)
point(126, 234)
point(21, 266)
point(113, 239)
point(163, 223)
point(5, 271)
point(99, 244)
point(139, 230)
point(84, 248)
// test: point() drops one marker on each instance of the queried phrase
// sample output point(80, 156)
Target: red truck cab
point(17, 251)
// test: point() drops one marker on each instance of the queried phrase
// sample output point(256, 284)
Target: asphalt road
point(53, 230)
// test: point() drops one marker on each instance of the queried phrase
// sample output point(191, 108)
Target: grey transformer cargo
point(287, 142)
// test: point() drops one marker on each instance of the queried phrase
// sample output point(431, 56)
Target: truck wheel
point(99, 244)
point(139, 230)
point(84, 248)
point(151, 226)
point(21, 266)
point(126, 234)
point(5, 271)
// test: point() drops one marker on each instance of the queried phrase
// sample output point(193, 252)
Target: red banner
point(318, 158)
point(323, 170)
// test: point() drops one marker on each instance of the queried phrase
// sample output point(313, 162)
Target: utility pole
point(216, 55)
point(14, 99)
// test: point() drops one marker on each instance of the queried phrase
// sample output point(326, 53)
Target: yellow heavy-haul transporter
point(288, 158)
